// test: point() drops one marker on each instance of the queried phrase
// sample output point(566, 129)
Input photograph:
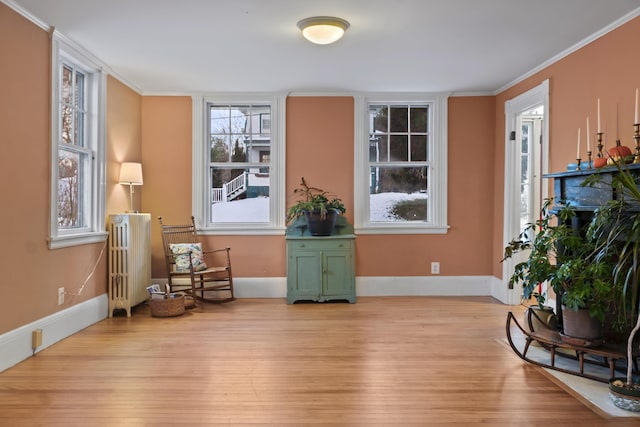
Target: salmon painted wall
point(166, 162)
point(124, 144)
point(32, 272)
point(607, 68)
point(319, 146)
point(462, 251)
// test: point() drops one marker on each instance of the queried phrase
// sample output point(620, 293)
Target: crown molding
point(52, 30)
point(619, 22)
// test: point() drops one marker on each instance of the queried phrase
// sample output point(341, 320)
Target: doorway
point(526, 161)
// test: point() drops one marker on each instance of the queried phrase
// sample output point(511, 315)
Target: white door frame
point(539, 95)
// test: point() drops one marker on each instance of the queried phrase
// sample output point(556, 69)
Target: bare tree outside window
point(71, 150)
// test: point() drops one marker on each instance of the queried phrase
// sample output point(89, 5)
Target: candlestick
point(589, 164)
point(599, 145)
point(578, 160)
point(588, 137)
point(636, 136)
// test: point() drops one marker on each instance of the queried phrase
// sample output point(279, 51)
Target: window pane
point(418, 148)
point(398, 194)
point(240, 195)
point(73, 170)
point(219, 118)
point(260, 121)
point(239, 133)
point(378, 117)
point(66, 124)
point(378, 151)
point(79, 108)
point(240, 119)
point(67, 84)
point(220, 148)
point(419, 119)
point(399, 148)
point(399, 118)
point(256, 149)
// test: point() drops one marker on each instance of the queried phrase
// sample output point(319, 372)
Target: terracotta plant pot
point(578, 325)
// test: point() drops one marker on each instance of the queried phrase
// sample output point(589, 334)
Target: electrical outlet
point(60, 296)
point(36, 338)
point(435, 267)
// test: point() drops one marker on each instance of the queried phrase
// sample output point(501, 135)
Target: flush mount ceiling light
point(323, 29)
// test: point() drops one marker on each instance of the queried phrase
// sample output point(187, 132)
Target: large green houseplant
point(318, 206)
point(564, 258)
point(616, 228)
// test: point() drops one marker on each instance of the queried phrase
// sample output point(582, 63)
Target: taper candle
point(578, 149)
point(588, 139)
point(636, 120)
point(599, 127)
point(617, 124)
point(578, 152)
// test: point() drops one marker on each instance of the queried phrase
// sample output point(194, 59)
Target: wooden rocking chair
point(203, 275)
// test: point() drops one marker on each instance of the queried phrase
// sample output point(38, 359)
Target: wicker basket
point(169, 307)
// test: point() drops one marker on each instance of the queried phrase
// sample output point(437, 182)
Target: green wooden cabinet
point(321, 268)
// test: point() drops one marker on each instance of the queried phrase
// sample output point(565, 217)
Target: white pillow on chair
point(181, 253)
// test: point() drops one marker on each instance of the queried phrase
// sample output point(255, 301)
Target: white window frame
point(437, 161)
point(65, 51)
point(200, 163)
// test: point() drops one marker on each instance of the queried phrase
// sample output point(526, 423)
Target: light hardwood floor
point(392, 361)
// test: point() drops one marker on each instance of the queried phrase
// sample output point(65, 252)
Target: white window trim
point(63, 48)
point(200, 165)
point(437, 154)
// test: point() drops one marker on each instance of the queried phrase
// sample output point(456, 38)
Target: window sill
point(401, 229)
point(242, 230)
point(58, 242)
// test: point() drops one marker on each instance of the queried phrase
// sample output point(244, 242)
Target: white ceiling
point(461, 46)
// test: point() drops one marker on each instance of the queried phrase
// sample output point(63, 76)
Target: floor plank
point(381, 361)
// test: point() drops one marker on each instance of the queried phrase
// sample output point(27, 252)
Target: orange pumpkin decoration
point(599, 162)
point(620, 152)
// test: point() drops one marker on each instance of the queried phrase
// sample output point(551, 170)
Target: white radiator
point(129, 260)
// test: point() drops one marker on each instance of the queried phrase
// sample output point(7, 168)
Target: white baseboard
point(424, 286)
point(276, 287)
point(15, 345)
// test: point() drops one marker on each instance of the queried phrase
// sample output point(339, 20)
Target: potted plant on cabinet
point(616, 227)
point(565, 259)
point(319, 207)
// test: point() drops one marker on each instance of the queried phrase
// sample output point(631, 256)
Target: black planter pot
point(622, 397)
point(319, 226)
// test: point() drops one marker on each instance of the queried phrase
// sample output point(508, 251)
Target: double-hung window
point(401, 164)
point(77, 155)
point(238, 162)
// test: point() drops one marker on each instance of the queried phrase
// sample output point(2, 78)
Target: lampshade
point(323, 29)
point(131, 173)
